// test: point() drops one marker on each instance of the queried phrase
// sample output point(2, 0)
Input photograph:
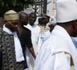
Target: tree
point(16, 5)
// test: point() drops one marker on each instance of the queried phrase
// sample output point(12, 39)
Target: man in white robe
point(35, 30)
point(58, 52)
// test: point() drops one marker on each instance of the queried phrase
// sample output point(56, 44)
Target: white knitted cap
point(66, 10)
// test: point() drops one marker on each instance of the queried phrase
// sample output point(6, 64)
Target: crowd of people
point(49, 45)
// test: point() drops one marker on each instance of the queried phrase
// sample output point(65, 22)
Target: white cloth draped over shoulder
point(49, 57)
point(18, 48)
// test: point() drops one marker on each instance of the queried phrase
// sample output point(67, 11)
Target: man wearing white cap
point(12, 56)
point(58, 52)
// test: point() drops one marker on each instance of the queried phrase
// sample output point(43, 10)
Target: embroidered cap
point(66, 10)
point(11, 15)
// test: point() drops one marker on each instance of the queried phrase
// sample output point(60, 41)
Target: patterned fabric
point(8, 53)
point(0, 53)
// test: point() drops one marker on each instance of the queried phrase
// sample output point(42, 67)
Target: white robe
point(42, 38)
point(49, 57)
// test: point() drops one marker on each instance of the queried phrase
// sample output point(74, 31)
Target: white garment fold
point(18, 48)
point(42, 38)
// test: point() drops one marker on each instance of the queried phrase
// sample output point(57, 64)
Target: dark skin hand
point(32, 52)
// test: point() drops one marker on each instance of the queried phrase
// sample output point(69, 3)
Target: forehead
point(13, 21)
point(32, 15)
point(23, 15)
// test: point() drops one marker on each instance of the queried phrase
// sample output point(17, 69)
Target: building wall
point(51, 8)
point(54, 8)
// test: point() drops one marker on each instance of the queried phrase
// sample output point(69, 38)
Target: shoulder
point(37, 27)
point(3, 32)
point(26, 31)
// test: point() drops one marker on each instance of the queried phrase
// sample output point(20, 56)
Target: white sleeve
point(61, 62)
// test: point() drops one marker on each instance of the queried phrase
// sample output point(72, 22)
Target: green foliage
point(16, 5)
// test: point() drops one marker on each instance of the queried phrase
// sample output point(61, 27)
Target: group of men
point(14, 38)
point(19, 37)
point(24, 41)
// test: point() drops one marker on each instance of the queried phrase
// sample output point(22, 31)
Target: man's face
point(12, 25)
point(24, 19)
point(32, 19)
